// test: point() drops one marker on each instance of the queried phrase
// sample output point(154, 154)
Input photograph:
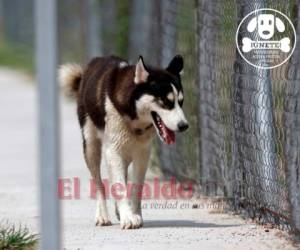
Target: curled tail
point(69, 76)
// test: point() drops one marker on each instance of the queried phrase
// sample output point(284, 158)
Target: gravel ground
point(165, 228)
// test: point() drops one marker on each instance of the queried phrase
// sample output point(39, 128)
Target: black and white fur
point(120, 106)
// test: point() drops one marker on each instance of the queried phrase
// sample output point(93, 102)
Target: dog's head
point(159, 98)
point(265, 25)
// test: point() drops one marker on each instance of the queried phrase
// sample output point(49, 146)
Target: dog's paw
point(102, 221)
point(131, 221)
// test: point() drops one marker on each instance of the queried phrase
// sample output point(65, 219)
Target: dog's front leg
point(139, 168)
point(118, 175)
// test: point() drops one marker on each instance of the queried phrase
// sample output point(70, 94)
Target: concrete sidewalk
point(165, 228)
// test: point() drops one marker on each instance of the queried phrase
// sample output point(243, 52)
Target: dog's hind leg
point(92, 153)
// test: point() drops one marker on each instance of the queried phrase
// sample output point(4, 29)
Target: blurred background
point(125, 28)
point(243, 142)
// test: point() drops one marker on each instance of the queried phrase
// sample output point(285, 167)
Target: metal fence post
point(90, 29)
point(168, 50)
point(141, 19)
point(261, 174)
point(108, 15)
point(206, 45)
point(177, 36)
point(292, 131)
point(94, 40)
point(46, 66)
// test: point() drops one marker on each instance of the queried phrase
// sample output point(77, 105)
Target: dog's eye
point(165, 103)
point(180, 102)
point(270, 22)
point(169, 104)
point(261, 22)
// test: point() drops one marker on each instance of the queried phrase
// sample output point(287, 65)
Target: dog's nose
point(266, 32)
point(182, 126)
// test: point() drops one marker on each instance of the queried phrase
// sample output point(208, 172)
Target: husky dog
point(120, 106)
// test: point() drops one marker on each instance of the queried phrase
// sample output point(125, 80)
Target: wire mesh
point(178, 36)
point(244, 142)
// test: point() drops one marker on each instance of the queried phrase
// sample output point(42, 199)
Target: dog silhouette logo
point(265, 25)
point(266, 38)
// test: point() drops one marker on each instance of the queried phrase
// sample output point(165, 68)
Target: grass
point(16, 56)
point(17, 238)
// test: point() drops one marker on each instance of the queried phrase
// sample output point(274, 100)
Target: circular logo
point(266, 38)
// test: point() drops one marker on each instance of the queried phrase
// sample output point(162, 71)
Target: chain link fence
point(244, 141)
point(244, 136)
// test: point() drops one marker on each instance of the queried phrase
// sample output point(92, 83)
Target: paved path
point(171, 228)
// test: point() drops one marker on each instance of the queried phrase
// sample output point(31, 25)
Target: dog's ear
point(252, 24)
point(279, 25)
point(141, 73)
point(176, 65)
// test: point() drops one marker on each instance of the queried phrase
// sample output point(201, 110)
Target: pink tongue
point(167, 134)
